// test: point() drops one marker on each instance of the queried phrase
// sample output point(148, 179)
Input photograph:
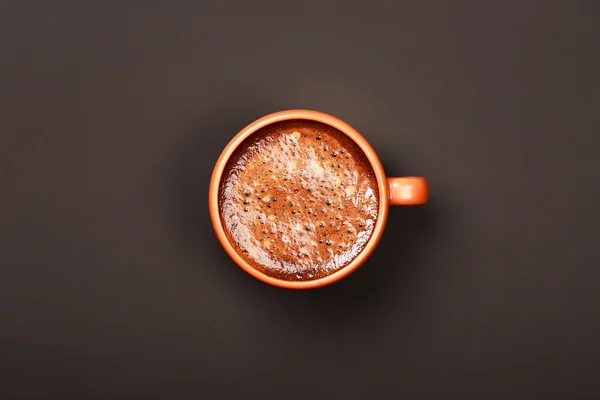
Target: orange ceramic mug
point(395, 191)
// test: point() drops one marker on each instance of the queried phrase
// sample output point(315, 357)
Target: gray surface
point(113, 285)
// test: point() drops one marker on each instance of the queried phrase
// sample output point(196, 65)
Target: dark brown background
point(112, 284)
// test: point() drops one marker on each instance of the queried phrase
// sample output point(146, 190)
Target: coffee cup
point(332, 203)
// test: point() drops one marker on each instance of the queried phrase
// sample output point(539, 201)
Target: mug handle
point(408, 191)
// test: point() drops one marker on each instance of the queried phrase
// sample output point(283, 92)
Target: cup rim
point(327, 119)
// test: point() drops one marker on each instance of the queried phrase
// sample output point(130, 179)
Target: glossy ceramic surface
point(393, 191)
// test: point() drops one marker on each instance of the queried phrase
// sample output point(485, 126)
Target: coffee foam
point(298, 200)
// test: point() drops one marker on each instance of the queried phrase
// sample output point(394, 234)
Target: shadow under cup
point(391, 191)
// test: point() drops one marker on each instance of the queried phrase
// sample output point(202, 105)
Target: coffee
point(298, 200)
